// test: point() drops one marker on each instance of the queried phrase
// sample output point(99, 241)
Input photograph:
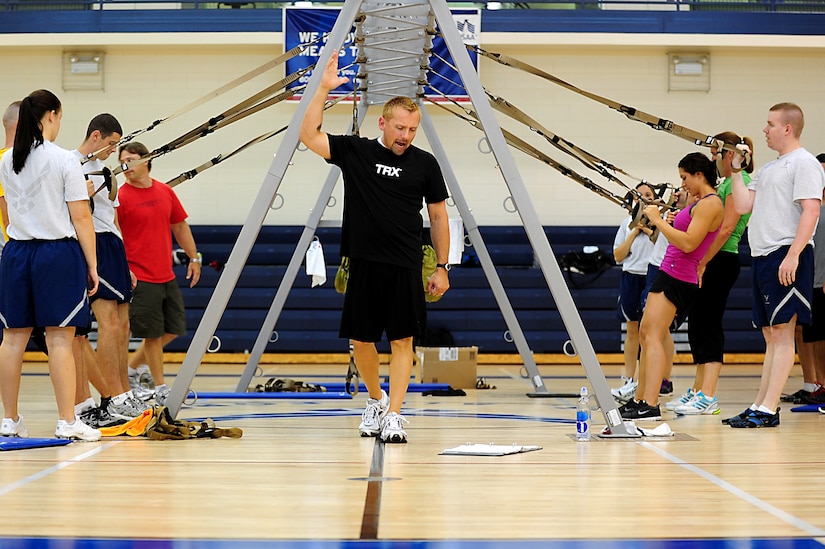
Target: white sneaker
point(373, 414)
point(627, 391)
point(142, 393)
point(681, 401)
point(698, 405)
point(393, 429)
point(11, 428)
point(76, 430)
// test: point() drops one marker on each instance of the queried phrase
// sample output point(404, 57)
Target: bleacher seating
point(309, 321)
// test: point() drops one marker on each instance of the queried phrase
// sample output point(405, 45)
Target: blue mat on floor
point(14, 443)
point(807, 408)
point(273, 395)
point(412, 388)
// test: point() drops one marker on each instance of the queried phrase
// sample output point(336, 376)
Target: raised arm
point(742, 196)
point(311, 134)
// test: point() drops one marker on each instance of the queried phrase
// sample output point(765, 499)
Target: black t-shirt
point(383, 197)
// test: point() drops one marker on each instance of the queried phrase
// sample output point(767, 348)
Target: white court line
point(747, 497)
point(53, 469)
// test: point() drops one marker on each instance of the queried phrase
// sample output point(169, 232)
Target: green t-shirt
point(732, 244)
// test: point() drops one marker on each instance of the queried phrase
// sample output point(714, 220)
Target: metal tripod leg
point(254, 221)
point(493, 279)
point(287, 281)
point(530, 219)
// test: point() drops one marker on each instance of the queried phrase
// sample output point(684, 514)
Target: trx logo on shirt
point(388, 171)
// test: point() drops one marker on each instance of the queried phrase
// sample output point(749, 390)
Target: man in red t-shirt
point(149, 213)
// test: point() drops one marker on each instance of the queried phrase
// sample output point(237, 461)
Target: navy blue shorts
point(383, 298)
point(652, 272)
point(774, 303)
point(112, 269)
point(43, 283)
point(678, 292)
point(631, 289)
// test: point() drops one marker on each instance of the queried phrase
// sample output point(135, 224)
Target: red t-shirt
point(146, 217)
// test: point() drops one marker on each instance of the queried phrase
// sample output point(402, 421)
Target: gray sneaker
point(125, 410)
point(139, 404)
point(162, 395)
point(145, 378)
point(373, 414)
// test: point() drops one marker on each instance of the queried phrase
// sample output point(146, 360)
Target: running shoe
point(684, 399)
point(373, 414)
point(393, 428)
point(698, 405)
point(627, 391)
point(756, 419)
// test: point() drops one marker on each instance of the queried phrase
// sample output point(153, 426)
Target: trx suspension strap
point(221, 157)
point(654, 122)
point(297, 50)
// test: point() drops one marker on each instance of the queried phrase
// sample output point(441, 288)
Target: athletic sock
point(87, 404)
point(810, 387)
point(766, 410)
point(121, 398)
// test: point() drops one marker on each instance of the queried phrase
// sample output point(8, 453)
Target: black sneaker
point(740, 415)
point(797, 397)
point(666, 388)
point(97, 418)
point(643, 412)
point(756, 419)
point(627, 406)
point(817, 397)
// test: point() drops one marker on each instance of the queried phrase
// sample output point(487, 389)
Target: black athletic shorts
point(680, 293)
point(383, 298)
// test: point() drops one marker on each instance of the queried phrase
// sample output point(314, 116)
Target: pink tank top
point(682, 265)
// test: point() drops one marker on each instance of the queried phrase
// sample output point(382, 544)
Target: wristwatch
point(445, 266)
point(196, 259)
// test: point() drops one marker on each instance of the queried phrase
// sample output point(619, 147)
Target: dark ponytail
point(29, 128)
point(697, 162)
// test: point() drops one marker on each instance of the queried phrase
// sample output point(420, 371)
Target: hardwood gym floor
point(302, 477)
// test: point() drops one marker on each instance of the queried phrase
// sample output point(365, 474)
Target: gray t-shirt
point(819, 250)
point(780, 185)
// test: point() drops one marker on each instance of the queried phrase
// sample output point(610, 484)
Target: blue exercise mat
point(14, 443)
point(412, 388)
point(273, 395)
point(807, 408)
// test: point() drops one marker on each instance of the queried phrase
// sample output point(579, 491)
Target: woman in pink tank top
point(692, 233)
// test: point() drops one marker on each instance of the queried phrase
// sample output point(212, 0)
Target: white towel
point(316, 267)
point(456, 241)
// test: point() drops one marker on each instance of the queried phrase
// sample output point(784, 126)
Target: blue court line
point(99, 543)
point(411, 412)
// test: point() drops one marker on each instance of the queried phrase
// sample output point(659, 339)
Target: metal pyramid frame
point(389, 41)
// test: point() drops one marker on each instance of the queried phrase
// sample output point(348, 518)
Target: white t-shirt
point(780, 185)
point(659, 250)
point(104, 213)
point(37, 196)
point(639, 256)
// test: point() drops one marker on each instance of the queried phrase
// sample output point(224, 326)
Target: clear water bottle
point(583, 417)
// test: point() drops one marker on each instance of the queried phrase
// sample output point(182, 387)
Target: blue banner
point(305, 25)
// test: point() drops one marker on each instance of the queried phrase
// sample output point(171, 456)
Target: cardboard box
point(455, 366)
